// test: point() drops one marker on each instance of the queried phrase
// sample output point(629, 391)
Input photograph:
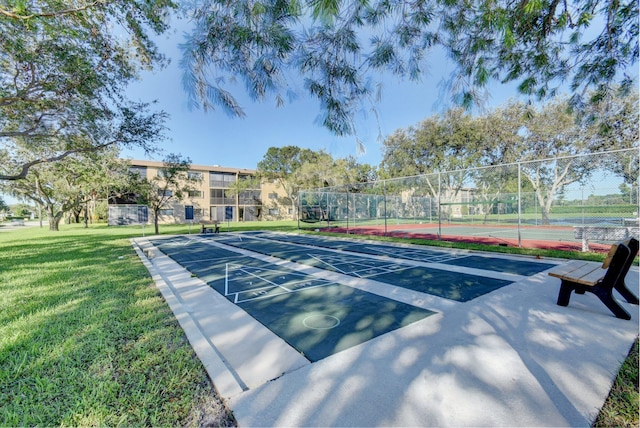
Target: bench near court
point(207, 229)
point(581, 276)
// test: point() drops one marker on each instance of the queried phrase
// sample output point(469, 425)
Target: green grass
point(621, 408)
point(86, 338)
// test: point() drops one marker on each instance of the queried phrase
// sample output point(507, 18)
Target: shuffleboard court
point(448, 284)
point(427, 255)
point(315, 316)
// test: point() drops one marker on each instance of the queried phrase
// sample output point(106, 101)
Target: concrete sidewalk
point(509, 358)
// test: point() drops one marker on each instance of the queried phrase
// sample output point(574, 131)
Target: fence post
point(347, 195)
point(638, 190)
point(439, 208)
point(384, 199)
point(299, 207)
point(519, 205)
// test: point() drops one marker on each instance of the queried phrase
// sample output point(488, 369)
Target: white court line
point(494, 232)
point(284, 292)
point(188, 241)
point(386, 268)
point(328, 264)
point(226, 279)
point(417, 255)
point(273, 285)
point(257, 276)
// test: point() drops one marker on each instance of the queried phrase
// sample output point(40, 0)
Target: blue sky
point(213, 138)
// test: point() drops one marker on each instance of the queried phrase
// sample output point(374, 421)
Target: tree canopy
point(69, 184)
point(337, 49)
point(295, 168)
point(523, 133)
point(64, 69)
point(171, 185)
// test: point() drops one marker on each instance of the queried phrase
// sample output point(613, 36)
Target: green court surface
point(315, 316)
point(496, 264)
point(319, 317)
point(519, 267)
point(442, 283)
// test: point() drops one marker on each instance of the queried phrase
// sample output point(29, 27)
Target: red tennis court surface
point(429, 231)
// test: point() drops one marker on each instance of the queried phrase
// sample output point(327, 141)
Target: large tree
point(440, 148)
point(519, 133)
point(338, 50)
point(64, 70)
point(557, 131)
point(614, 124)
point(281, 164)
point(294, 168)
point(171, 185)
point(69, 185)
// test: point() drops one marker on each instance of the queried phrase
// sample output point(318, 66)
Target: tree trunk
point(155, 222)
point(545, 208)
point(54, 219)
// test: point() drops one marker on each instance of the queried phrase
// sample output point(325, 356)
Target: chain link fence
point(571, 201)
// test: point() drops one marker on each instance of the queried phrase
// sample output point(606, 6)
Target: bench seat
point(581, 277)
point(586, 273)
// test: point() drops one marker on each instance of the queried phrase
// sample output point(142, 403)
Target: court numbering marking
point(263, 291)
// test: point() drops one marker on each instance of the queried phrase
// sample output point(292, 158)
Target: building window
point(198, 212)
point(167, 193)
point(220, 197)
point(273, 195)
point(274, 211)
point(195, 193)
point(193, 175)
point(223, 213)
point(221, 180)
point(140, 171)
point(165, 212)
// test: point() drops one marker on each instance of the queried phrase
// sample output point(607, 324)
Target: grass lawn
point(86, 338)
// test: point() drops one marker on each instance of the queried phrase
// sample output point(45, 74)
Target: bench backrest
point(633, 245)
point(618, 267)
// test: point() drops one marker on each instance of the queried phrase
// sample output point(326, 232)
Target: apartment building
point(215, 196)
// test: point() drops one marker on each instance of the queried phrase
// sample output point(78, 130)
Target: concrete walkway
point(509, 358)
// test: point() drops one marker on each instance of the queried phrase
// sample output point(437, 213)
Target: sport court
point(319, 317)
point(418, 358)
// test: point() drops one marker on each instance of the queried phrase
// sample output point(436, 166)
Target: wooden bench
point(581, 276)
